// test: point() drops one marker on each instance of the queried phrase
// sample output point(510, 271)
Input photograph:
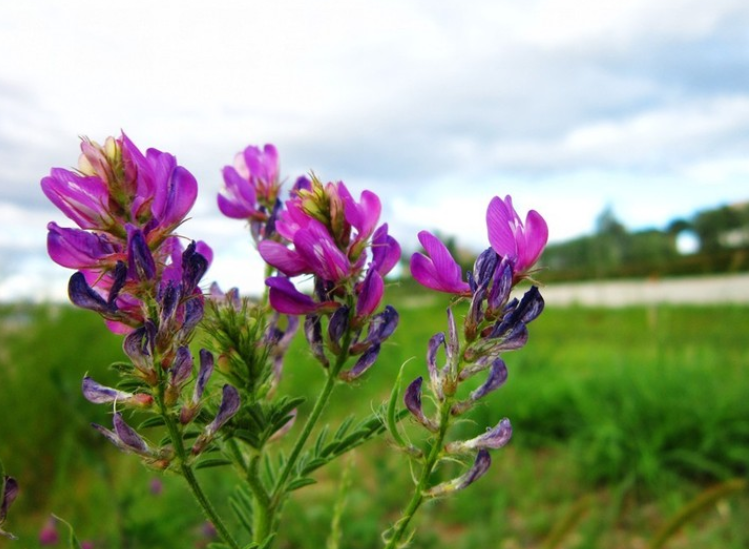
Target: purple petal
point(370, 293)
point(77, 249)
point(386, 252)
point(204, 374)
point(535, 237)
point(496, 378)
point(501, 221)
point(99, 394)
point(286, 299)
point(128, 435)
point(363, 364)
point(337, 326)
point(229, 406)
point(175, 198)
point(82, 199)
point(181, 367)
point(315, 245)
point(439, 271)
point(313, 333)
point(82, 295)
point(10, 492)
point(287, 261)
point(238, 199)
point(141, 265)
point(480, 467)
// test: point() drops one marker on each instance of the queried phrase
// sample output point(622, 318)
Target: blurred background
point(625, 124)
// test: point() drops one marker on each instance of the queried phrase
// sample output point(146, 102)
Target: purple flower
point(478, 469)
point(124, 437)
point(99, 394)
point(521, 243)
point(83, 199)
point(494, 438)
point(8, 494)
point(229, 406)
point(437, 270)
point(286, 299)
point(412, 400)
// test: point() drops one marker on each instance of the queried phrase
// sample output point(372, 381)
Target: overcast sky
point(569, 106)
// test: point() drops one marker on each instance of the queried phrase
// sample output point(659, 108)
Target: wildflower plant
point(200, 386)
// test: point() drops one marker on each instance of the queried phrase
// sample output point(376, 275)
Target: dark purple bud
point(500, 291)
point(119, 277)
point(9, 494)
point(84, 296)
point(496, 378)
point(194, 266)
point(365, 362)
point(436, 341)
point(313, 333)
point(270, 225)
point(141, 265)
point(139, 346)
point(229, 406)
point(493, 439)
point(383, 324)
point(169, 299)
point(301, 184)
point(128, 435)
point(475, 314)
point(370, 292)
point(478, 469)
point(484, 267)
point(194, 309)
point(412, 400)
point(204, 374)
point(181, 367)
point(338, 325)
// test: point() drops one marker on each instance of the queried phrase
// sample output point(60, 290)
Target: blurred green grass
point(624, 413)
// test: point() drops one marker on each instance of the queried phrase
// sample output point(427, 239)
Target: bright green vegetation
point(621, 417)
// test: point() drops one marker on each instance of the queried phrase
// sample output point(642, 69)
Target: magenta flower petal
point(289, 262)
point(82, 199)
point(77, 249)
point(370, 292)
point(286, 299)
point(363, 215)
point(262, 165)
point(238, 199)
point(439, 271)
point(174, 198)
point(510, 238)
point(386, 252)
point(318, 249)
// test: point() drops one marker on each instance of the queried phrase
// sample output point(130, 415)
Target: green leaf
point(300, 483)
point(392, 424)
point(215, 545)
point(315, 463)
point(321, 440)
point(212, 462)
point(267, 542)
point(343, 428)
point(155, 421)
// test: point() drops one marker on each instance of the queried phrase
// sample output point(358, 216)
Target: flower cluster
point(127, 206)
point(321, 231)
point(494, 324)
point(134, 272)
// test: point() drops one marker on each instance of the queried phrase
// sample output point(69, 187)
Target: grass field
point(621, 417)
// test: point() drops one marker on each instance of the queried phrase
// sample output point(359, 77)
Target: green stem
point(418, 496)
point(320, 403)
point(191, 480)
point(262, 512)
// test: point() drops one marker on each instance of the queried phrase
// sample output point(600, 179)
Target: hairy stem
point(191, 479)
point(417, 498)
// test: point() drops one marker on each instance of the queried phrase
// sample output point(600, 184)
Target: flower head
point(521, 243)
point(437, 270)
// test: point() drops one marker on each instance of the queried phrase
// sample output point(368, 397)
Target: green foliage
point(636, 410)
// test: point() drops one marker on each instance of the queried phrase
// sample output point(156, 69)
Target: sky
point(569, 106)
